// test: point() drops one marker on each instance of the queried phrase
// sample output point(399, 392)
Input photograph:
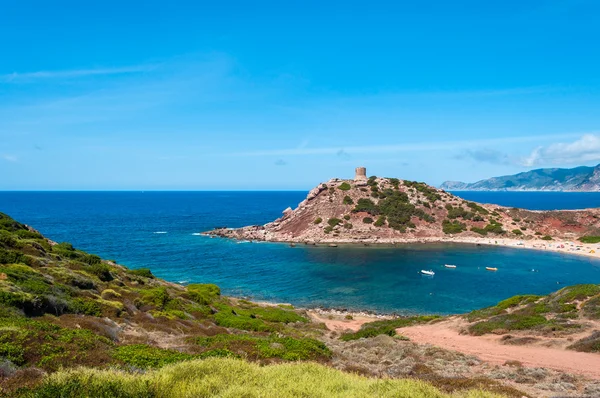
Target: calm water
point(125, 225)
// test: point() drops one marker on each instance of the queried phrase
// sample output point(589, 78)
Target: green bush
point(147, 357)
point(101, 270)
point(348, 200)
point(590, 239)
point(366, 205)
point(380, 221)
point(333, 222)
point(453, 227)
point(517, 232)
point(368, 220)
point(144, 272)
point(547, 237)
point(344, 186)
point(203, 293)
point(318, 220)
point(388, 327)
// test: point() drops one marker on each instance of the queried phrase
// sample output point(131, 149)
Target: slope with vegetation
point(389, 210)
point(74, 325)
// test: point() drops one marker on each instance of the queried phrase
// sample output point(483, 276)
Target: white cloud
point(10, 158)
point(585, 149)
point(66, 74)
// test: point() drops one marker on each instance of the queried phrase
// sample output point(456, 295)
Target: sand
point(489, 348)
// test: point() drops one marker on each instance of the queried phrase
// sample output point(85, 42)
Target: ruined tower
point(360, 177)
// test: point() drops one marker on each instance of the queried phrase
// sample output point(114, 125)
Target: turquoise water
point(124, 226)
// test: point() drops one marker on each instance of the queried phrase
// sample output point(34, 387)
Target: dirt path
point(489, 348)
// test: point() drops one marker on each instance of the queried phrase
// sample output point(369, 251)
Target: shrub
point(380, 221)
point(547, 237)
point(347, 217)
point(203, 293)
point(348, 225)
point(388, 327)
point(368, 220)
point(348, 200)
point(145, 357)
point(366, 205)
point(517, 232)
point(344, 186)
point(143, 272)
point(318, 220)
point(453, 227)
point(101, 270)
point(333, 222)
point(590, 239)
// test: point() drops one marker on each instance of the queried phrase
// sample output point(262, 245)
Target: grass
point(387, 327)
point(203, 293)
point(255, 347)
point(233, 378)
point(146, 357)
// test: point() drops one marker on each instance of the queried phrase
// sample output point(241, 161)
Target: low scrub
point(387, 327)
point(231, 378)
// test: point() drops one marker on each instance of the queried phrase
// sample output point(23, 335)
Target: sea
point(161, 231)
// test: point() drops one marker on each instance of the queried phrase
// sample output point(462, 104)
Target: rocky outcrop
point(388, 210)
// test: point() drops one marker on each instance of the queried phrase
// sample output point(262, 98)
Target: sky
point(198, 95)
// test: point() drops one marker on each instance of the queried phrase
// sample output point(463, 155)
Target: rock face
point(389, 210)
point(578, 179)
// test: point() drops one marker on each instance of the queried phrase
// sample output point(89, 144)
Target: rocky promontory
point(391, 210)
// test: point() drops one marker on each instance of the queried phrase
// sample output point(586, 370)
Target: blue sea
point(160, 230)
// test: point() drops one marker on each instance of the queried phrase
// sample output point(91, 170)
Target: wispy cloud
point(485, 155)
point(394, 147)
point(10, 158)
point(280, 162)
point(26, 77)
point(585, 149)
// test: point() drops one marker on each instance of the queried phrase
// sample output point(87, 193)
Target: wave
point(160, 232)
point(197, 234)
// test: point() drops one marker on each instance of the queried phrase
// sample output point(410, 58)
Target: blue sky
point(269, 95)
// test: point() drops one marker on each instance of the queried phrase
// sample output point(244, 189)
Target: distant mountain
point(578, 179)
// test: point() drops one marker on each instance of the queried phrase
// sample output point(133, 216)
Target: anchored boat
point(449, 266)
point(430, 272)
point(491, 268)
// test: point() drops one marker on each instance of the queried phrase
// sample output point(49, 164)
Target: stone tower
point(360, 177)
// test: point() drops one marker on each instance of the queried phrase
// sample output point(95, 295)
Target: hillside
point(74, 325)
point(136, 335)
point(389, 210)
point(578, 179)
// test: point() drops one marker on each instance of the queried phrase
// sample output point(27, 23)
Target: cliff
point(578, 179)
point(389, 210)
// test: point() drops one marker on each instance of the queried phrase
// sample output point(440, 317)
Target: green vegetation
point(146, 357)
point(348, 200)
point(493, 227)
point(255, 347)
point(203, 293)
point(333, 222)
point(546, 237)
point(517, 232)
point(387, 327)
point(344, 186)
point(478, 209)
point(368, 220)
point(318, 220)
point(230, 377)
point(429, 193)
point(395, 207)
point(544, 314)
point(590, 239)
point(380, 221)
point(453, 227)
point(143, 272)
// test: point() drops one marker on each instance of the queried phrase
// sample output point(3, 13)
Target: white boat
point(430, 272)
point(491, 268)
point(449, 266)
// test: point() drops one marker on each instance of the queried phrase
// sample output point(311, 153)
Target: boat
point(491, 268)
point(449, 266)
point(430, 272)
